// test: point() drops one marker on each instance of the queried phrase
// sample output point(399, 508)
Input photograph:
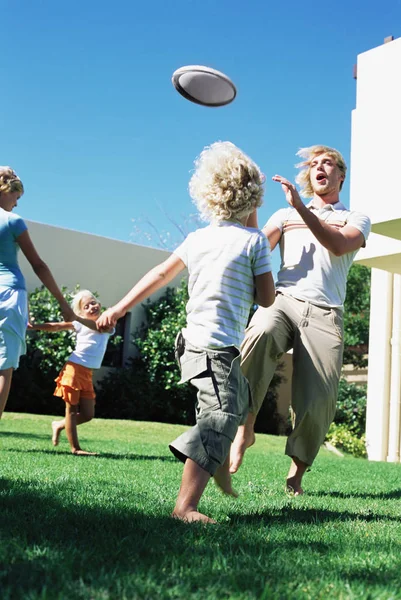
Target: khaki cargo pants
point(315, 334)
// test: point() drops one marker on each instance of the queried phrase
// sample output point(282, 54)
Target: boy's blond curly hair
point(308, 154)
point(226, 183)
point(9, 181)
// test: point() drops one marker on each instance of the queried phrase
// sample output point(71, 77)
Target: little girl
point(74, 383)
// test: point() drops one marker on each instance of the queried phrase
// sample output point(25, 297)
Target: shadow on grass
point(313, 516)
point(18, 434)
point(64, 548)
point(137, 457)
point(391, 495)
point(113, 456)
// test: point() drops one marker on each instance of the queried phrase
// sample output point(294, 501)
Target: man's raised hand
point(291, 193)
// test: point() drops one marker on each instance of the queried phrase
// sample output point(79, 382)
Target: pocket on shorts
point(232, 385)
point(224, 423)
point(192, 366)
point(217, 431)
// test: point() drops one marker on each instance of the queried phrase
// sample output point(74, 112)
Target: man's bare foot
point(244, 439)
point(293, 487)
point(84, 453)
point(192, 516)
point(56, 433)
point(222, 478)
point(294, 477)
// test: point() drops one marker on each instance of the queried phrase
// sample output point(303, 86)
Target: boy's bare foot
point(293, 488)
point(244, 439)
point(222, 477)
point(192, 516)
point(56, 433)
point(84, 453)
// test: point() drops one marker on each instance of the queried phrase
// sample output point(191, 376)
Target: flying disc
point(204, 85)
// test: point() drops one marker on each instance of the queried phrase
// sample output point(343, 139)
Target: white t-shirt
point(309, 271)
point(223, 260)
point(90, 346)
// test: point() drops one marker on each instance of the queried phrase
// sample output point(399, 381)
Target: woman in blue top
point(13, 295)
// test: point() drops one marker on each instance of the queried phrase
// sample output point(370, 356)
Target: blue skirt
point(13, 324)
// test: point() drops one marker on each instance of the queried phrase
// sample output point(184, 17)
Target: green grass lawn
point(98, 528)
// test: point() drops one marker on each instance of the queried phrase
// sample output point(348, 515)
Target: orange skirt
point(74, 382)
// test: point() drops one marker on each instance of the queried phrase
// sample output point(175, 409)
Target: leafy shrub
point(348, 430)
point(351, 406)
point(155, 340)
point(356, 316)
point(344, 439)
point(147, 388)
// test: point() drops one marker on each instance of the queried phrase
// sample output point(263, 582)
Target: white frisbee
point(204, 85)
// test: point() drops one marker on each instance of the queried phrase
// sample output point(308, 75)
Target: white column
point(378, 398)
point(395, 377)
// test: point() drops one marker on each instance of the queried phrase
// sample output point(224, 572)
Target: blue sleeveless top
point(11, 227)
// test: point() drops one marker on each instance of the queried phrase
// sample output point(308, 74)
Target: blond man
point(318, 242)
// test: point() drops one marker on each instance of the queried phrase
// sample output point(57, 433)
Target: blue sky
point(93, 126)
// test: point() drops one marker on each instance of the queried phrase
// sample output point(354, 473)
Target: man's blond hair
point(226, 183)
point(308, 154)
point(9, 181)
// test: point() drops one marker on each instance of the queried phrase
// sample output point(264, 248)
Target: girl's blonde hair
point(9, 181)
point(77, 299)
point(226, 183)
point(308, 154)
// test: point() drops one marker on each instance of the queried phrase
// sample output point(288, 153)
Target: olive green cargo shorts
point(222, 403)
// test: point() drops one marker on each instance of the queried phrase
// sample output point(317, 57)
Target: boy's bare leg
point(193, 484)
point(244, 439)
point(294, 477)
point(223, 480)
point(5, 384)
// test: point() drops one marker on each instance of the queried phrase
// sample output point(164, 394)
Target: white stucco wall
point(100, 264)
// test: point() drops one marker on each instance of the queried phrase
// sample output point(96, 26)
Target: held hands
point(291, 193)
point(109, 318)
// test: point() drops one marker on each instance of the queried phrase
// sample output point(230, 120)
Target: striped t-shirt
point(308, 270)
point(222, 260)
